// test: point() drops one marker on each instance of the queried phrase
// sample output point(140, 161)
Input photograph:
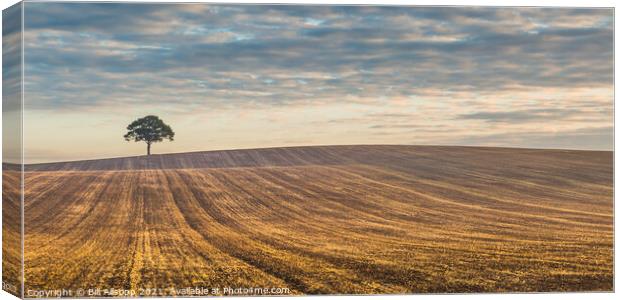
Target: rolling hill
point(325, 219)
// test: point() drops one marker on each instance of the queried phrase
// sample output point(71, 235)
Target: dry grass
point(341, 219)
point(11, 229)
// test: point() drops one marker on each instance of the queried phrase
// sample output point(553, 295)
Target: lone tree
point(150, 129)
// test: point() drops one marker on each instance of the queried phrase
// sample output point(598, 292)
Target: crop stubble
point(332, 219)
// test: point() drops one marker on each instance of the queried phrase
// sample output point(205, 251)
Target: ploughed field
point(11, 230)
point(325, 219)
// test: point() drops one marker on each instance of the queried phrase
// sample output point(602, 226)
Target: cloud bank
point(438, 75)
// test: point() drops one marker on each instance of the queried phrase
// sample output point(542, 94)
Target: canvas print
point(219, 149)
point(11, 150)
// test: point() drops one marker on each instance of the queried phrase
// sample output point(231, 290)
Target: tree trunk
point(148, 148)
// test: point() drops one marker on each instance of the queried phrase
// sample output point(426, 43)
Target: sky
point(251, 76)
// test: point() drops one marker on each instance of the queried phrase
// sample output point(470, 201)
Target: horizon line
point(306, 146)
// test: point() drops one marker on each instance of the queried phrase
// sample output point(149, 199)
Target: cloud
point(11, 58)
point(597, 138)
point(409, 66)
point(519, 116)
point(356, 50)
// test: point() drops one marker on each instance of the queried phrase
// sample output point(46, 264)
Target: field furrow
point(342, 219)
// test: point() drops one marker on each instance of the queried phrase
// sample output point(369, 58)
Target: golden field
point(325, 220)
point(11, 229)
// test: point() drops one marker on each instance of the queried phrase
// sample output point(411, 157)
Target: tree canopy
point(150, 129)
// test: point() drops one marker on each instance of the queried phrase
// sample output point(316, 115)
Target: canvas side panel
point(12, 150)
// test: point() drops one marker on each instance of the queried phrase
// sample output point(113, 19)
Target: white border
point(560, 3)
point(510, 3)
